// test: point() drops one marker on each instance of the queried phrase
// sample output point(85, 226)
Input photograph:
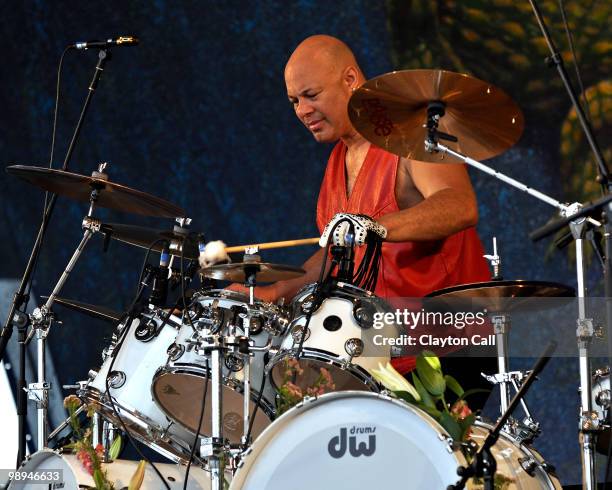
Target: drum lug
point(528, 464)
point(116, 379)
point(353, 347)
point(448, 442)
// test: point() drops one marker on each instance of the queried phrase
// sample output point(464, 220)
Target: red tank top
point(408, 269)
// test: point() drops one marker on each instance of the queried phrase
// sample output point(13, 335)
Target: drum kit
point(198, 384)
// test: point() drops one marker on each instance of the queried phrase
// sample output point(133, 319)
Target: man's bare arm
point(449, 204)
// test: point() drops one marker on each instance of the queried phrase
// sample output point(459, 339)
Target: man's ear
point(351, 77)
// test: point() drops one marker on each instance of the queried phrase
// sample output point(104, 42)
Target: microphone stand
point(484, 465)
point(15, 315)
point(589, 481)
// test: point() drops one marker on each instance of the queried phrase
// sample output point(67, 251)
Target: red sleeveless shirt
point(408, 269)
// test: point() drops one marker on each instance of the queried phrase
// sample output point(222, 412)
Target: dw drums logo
point(338, 444)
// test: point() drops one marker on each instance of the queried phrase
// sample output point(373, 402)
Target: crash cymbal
point(145, 237)
point(94, 311)
point(391, 110)
point(505, 296)
point(111, 195)
point(266, 272)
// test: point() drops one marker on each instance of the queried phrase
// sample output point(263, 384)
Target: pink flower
point(294, 390)
point(327, 378)
point(460, 409)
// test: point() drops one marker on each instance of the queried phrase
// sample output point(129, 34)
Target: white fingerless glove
point(362, 224)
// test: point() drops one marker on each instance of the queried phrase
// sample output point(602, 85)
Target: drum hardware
point(103, 433)
point(484, 464)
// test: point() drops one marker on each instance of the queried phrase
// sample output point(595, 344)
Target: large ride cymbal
point(391, 111)
point(505, 296)
point(266, 272)
point(111, 195)
point(144, 237)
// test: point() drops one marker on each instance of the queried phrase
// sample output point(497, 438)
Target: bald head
point(320, 75)
point(327, 52)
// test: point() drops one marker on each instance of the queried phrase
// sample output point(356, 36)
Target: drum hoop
point(178, 452)
point(314, 354)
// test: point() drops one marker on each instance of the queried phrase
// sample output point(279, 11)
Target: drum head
point(350, 440)
point(179, 394)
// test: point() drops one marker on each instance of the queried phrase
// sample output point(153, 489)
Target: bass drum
point(350, 439)
point(119, 473)
point(518, 466)
point(141, 353)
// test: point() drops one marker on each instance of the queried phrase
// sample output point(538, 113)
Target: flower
point(72, 402)
point(394, 381)
point(293, 390)
point(460, 410)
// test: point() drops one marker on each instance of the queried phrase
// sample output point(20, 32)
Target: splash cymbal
point(266, 272)
point(391, 111)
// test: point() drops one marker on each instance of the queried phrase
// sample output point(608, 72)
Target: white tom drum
point(141, 353)
point(178, 386)
point(342, 337)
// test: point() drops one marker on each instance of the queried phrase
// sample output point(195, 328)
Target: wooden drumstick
point(268, 245)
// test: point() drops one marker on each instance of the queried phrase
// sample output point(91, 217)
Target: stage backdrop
point(198, 114)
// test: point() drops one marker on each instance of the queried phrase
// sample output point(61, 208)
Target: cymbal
point(144, 237)
point(267, 272)
point(391, 110)
point(505, 296)
point(112, 195)
point(94, 311)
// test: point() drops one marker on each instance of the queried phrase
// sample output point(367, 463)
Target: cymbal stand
point(251, 258)
point(42, 318)
point(212, 448)
point(585, 329)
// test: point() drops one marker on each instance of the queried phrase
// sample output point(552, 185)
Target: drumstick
point(264, 246)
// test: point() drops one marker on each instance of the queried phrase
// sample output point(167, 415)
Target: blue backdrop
point(198, 114)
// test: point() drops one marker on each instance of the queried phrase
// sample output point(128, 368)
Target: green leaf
point(426, 398)
point(432, 360)
point(115, 449)
point(434, 412)
point(404, 395)
point(454, 385)
point(99, 479)
point(473, 392)
point(466, 424)
point(431, 378)
point(451, 425)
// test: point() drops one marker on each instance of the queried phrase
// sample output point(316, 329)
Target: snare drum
point(178, 386)
point(142, 352)
point(343, 337)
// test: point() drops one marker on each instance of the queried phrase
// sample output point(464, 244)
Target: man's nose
point(303, 108)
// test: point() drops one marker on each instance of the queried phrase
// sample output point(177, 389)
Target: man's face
point(319, 97)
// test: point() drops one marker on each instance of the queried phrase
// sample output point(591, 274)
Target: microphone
point(159, 290)
point(109, 43)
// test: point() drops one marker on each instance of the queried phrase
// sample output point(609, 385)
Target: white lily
point(394, 381)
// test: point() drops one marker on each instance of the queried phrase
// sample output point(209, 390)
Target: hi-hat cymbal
point(95, 311)
point(505, 296)
point(111, 195)
point(151, 238)
point(266, 272)
point(391, 111)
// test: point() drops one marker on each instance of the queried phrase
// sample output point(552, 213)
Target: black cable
point(129, 320)
point(53, 132)
point(570, 40)
point(257, 402)
point(197, 435)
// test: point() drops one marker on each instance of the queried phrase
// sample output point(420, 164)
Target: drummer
point(426, 212)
